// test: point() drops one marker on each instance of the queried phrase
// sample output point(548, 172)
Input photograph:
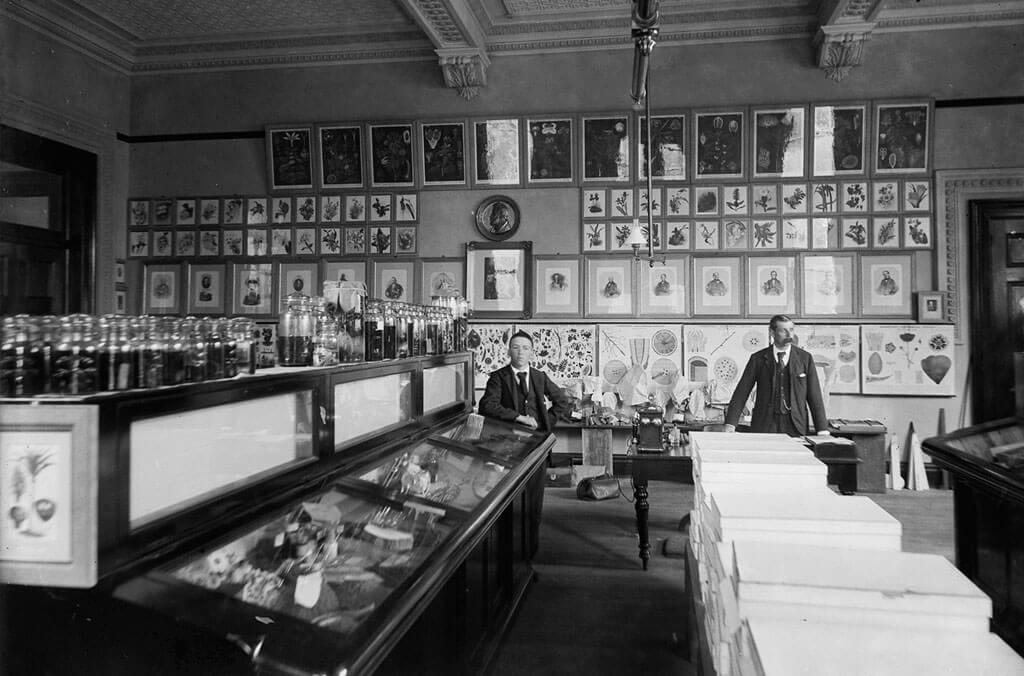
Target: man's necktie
point(780, 371)
point(524, 390)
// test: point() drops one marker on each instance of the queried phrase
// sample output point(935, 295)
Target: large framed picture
point(443, 153)
point(886, 285)
point(771, 285)
point(341, 155)
point(828, 285)
point(668, 149)
point(609, 286)
point(498, 279)
point(902, 137)
point(557, 291)
point(607, 148)
point(718, 144)
point(297, 278)
point(252, 289)
point(394, 280)
point(206, 289)
point(779, 135)
point(441, 277)
point(348, 270)
point(290, 157)
point(162, 289)
point(663, 291)
point(550, 149)
point(717, 286)
point(391, 155)
point(496, 152)
point(839, 140)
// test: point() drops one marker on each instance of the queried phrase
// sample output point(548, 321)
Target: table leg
point(642, 507)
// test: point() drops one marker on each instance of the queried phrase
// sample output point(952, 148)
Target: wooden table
point(641, 467)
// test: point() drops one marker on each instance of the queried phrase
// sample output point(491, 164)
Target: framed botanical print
point(406, 239)
point(381, 240)
point(252, 289)
point(391, 155)
point(163, 212)
point(443, 153)
point(771, 285)
point(595, 237)
point(794, 233)
point(824, 198)
point(255, 211)
point(355, 209)
point(331, 243)
point(499, 279)
point(206, 289)
point(234, 211)
point(441, 277)
point(824, 233)
point(735, 234)
point(854, 197)
point(394, 280)
point(765, 200)
point(668, 150)
point(917, 195)
point(281, 242)
point(839, 139)
point(663, 288)
point(381, 208)
point(885, 232)
point(344, 270)
point(764, 233)
point(557, 291)
point(406, 207)
point(828, 285)
point(902, 137)
point(209, 242)
point(594, 202)
point(678, 235)
point(718, 144)
point(256, 242)
point(735, 200)
point(618, 239)
point(496, 152)
point(607, 148)
point(707, 235)
point(304, 242)
point(185, 212)
point(779, 135)
point(355, 240)
point(885, 196)
point(138, 213)
point(162, 243)
point(677, 201)
point(794, 198)
point(886, 285)
point(917, 232)
point(162, 290)
point(290, 154)
point(706, 200)
point(652, 203)
point(297, 278)
point(717, 286)
point(854, 233)
point(340, 150)
point(232, 243)
point(550, 149)
point(281, 210)
point(185, 243)
point(609, 286)
point(621, 202)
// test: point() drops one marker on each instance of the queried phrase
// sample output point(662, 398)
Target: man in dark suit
point(516, 392)
point(787, 385)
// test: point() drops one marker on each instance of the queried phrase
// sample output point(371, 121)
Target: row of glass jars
point(84, 354)
point(394, 330)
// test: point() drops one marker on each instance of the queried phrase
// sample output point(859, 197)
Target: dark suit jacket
point(501, 397)
point(804, 391)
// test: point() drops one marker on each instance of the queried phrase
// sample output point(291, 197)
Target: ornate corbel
point(841, 47)
point(464, 70)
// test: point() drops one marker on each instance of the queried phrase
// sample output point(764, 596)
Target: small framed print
point(765, 200)
point(885, 232)
point(885, 285)
point(646, 228)
point(440, 277)
point(824, 233)
point(668, 149)
point(550, 149)
point(609, 286)
point(256, 242)
point(607, 148)
point(621, 202)
point(794, 198)
point(854, 233)
point(340, 150)
point(209, 212)
point(735, 234)
point(663, 291)
point(305, 209)
point(917, 232)
point(281, 210)
point(138, 243)
point(185, 243)
point(344, 271)
point(391, 155)
point(557, 292)
point(443, 153)
point(594, 202)
point(162, 292)
point(119, 273)
point(162, 243)
point(209, 242)
point(499, 279)
point(735, 200)
point(496, 152)
point(330, 208)
point(406, 239)
point(120, 301)
point(794, 233)
point(655, 205)
point(854, 197)
point(885, 196)
point(255, 210)
point(355, 208)
point(917, 195)
point(355, 240)
point(718, 144)
point(281, 242)
point(595, 237)
point(707, 235)
point(330, 241)
point(185, 212)
point(406, 207)
point(206, 289)
point(717, 286)
point(618, 240)
point(931, 306)
point(297, 278)
point(290, 157)
point(764, 233)
point(706, 201)
point(163, 212)
point(252, 289)
point(234, 211)
point(771, 285)
point(304, 242)
point(828, 285)
point(824, 198)
point(381, 208)
point(394, 280)
point(840, 136)
point(381, 240)
point(232, 243)
point(779, 135)
point(138, 213)
point(677, 201)
point(678, 235)
point(902, 137)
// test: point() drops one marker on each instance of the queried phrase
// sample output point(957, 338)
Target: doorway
point(997, 305)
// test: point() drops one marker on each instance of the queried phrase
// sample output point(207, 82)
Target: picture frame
point(594, 237)
point(163, 212)
point(668, 150)
point(120, 301)
point(917, 195)
point(931, 306)
point(644, 202)
point(794, 233)
point(281, 210)
point(252, 289)
point(290, 157)
point(735, 234)
point(297, 278)
point(119, 271)
point(406, 207)
point(885, 196)
point(594, 202)
point(138, 213)
point(678, 235)
point(233, 211)
point(677, 201)
point(185, 212)
point(557, 291)
point(827, 285)
point(381, 240)
point(406, 240)
point(735, 200)
point(442, 277)
point(663, 288)
point(824, 198)
point(795, 199)
point(717, 286)
point(206, 284)
point(305, 209)
point(707, 235)
point(332, 241)
point(355, 209)
point(185, 243)
point(718, 144)
point(330, 208)
point(499, 279)
point(550, 150)
point(340, 155)
point(162, 243)
point(825, 233)
point(706, 200)
point(917, 231)
point(621, 202)
point(304, 241)
point(607, 148)
point(885, 232)
point(497, 218)
point(256, 211)
point(232, 243)
point(771, 285)
point(764, 233)
point(496, 154)
point(161, 292)
point(903, 132)
point(886, 285)
point(839, 133)
point(394, 280)
point(764, 200)
point(209, 242)
point(618, 236)
point(391, 155)
point(355, 240)
point(442, 147)
point(281, 242)
point(854, 197)
point(257, 243)
point(854, 233)
point(380, 208)
point(779, 142)
point(343, 270)
point(609, 286)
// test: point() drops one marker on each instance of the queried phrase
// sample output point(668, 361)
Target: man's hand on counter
point(527, 420)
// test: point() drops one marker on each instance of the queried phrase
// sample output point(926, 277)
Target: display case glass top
point(508, 442)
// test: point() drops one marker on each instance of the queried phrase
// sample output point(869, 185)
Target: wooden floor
point(593, 610)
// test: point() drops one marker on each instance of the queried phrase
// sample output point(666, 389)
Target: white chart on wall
point(638, 360)
point(908, 359)
point(836, 352)
point(718, 354)
point(566, 352)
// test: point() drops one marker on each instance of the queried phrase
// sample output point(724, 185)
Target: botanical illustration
point(836, 353)
point(330, 240)
point(444, 154)
point(794, 199)
point(916, 196)
point(647, 204)
point(622, 203)
point(606, 148)
point(305, 241)
point(406, 208)
point(717, 354)
point(764, 234)
point(886, 196)
point(35, 496)
point(824, 233)
point(291, 158)
point(185, 212)
point(637, 361)
point(355, 208)
point(668, 151)
point(566, 352)
point(497, 152)
point(209, 243)
point(794, 233)
point(917, 231)
point(736, 233)
point(779, 142)
point(209, 212)
point(595, 236)
point(706, 235)
point(719, 147)
point(823, 198)
point(162, 242)
point(678, 201)
point(886, 232)
point(280, 242)
point(330, 208)
point(677, 235)
point(355, 240)
point(380, 208)
point(185, 243)
point(163, 212)
point(256, 243)
point(549, 150)
point(405, 239)
point(765, 199)
point(282, 209)
point(838, 140)
point(707, 201)
point(234, 211)
point(341, 157)
point(232, 242)
point(855, 197)
point(138, 212)
point(913, 359)
point(380, 240)
point(489, 345)
point(594, 203)
point(391, 154)
point(855, 233)
point(735, 200)
point(902, 141)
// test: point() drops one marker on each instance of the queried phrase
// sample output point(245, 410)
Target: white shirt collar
point(785, 351)
point(518, 371)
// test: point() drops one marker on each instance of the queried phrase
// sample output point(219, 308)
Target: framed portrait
point(885, 232)
point(185, 243)
point(840, 136)
point(381, 240)
point(735, 234)
point(595, 237)
point(778, 143)
point(917, 232)
point(138, 213)
point(718, 144)
point(557, 291)
point(305, 209)
point(550, 149)
point(162, 243)
point(256, 242)
point(771, 285)
point(391, 155)
point(252, 289)
point(609, 286)
point(931, 306)
point(824, 198)
point(304, 241)
point(344, 271)
point(290, 154)
point(206, 289)
point(794, 198)
point(917, 195)
point(163, 212)
point(440, 277)
point(232, 243)
point(886, 285)
point(340, 151)
point(678, 235)
point(209, 242)
point(497, 218)
point(162, 290)
point(234, 211)
point(607, 148)
point(331, 243)
point(499, 279)
point(406, 239)
point(185, 212)
point(297, 278)
point(496, 152)
point(355, 240)
point(256, 211)
point(663, 289)
point(394, 280)
point(668, 149)
point(902, 137)
point(717, 286)
point(828, 285)
point(442, 153)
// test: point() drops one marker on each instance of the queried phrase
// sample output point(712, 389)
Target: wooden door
point(997, 305)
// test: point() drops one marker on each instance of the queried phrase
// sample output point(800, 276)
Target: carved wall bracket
point(841, 47)
point(464, 70)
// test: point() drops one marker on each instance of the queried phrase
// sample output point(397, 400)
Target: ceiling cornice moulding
point(82, 41)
